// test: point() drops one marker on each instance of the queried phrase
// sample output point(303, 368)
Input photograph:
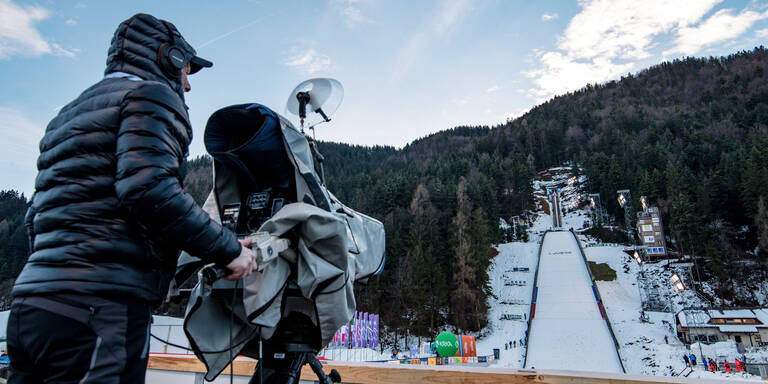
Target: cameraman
point(109, 217)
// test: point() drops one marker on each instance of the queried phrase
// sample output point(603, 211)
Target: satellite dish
point(315, 100)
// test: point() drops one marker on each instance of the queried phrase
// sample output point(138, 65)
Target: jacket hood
point(136, 45)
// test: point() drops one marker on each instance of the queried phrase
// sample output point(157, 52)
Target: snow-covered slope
point(648, 344)
point(568, 331)
point(500, 332)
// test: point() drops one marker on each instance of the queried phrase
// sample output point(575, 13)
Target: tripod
point(294, 344)
point(284, 367)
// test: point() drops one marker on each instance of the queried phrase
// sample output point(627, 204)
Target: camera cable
point(232, 325)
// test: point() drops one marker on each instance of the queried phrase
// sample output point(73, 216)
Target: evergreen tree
point(762, 226)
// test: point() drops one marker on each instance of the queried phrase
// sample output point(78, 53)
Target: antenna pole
point(303, 98)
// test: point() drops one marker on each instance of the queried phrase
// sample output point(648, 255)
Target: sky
point(409, 68)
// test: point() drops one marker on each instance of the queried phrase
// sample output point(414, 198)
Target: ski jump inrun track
point(568, 327)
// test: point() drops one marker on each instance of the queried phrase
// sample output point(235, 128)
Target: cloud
point(309, 61)
point(451, 14)
point(18, 35)
point(351, 13)
point(493, 88)
point(720, 27)
point(760, 33)
point(607, 38)
point(549, 16)
point(463, 101)
point(71, 22)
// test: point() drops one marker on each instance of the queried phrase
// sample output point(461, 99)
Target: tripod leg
point(317, 368)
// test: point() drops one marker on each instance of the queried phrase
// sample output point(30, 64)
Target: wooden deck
point(381, 373)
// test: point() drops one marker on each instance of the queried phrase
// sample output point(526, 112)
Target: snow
point(647, 340)
point(737, 328)
point(692, 317)
point(498, 332)
point(701, 318)
point(731, 313)
point(567, 325)
point(650, 346)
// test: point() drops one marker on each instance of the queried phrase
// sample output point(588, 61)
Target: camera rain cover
point(332, 246)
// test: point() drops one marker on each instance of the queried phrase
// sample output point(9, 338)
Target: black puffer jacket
point(109, 215)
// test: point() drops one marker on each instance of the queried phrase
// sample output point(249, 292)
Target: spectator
point(109, 217)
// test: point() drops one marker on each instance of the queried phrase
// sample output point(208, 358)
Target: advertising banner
point(359, 329)
point(375, 328)
point(447, 344)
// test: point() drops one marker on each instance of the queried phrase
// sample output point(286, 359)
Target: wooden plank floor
point(380, 373)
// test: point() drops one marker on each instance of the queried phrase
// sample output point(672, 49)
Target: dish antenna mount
point(322, 96)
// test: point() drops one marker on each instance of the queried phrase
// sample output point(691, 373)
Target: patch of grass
point(602, 271)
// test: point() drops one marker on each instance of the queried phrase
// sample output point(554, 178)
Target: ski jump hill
point(568, 328)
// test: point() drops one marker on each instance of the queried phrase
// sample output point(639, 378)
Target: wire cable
point(171, 344)
point(232, 325)
point(192, 350)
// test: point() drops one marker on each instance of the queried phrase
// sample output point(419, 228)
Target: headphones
point(170, 57)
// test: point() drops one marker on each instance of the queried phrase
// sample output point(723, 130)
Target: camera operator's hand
point(244, 264)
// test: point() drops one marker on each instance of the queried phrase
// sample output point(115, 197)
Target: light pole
point(594, 199)
point(625, 201)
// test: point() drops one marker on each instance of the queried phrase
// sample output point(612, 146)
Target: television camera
point(269, 185)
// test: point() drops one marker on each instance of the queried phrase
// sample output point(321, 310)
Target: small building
point(747, 326)
point(651, 231)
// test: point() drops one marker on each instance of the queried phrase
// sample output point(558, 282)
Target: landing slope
point(567, 329)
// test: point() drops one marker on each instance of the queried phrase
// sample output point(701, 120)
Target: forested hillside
point(692, 135)
point(13, 236)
